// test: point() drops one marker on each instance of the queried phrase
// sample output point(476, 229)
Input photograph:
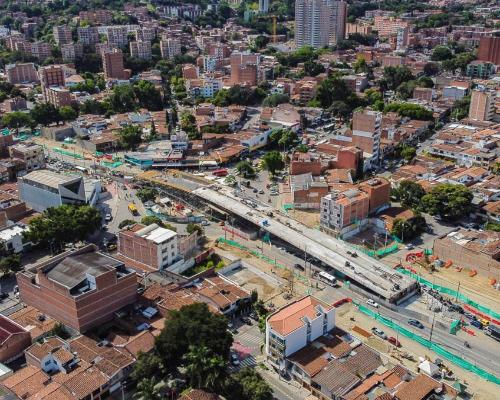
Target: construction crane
point(274, 28)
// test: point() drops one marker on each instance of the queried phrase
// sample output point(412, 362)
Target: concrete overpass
point(364, 270)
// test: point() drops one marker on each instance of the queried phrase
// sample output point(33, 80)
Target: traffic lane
point(479, 356)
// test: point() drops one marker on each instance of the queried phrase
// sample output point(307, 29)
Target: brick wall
point(138, 249)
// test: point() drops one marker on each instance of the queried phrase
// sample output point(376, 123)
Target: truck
point(493, 331)
point(132, 208)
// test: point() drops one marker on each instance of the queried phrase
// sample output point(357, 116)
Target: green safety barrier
point(287, 207)
point(5, 132)
point(379, 253)
point(263, 257)
point(428, 252)
point(110, 164)
point(438, 349)
point(451, 292)
point(68, 153)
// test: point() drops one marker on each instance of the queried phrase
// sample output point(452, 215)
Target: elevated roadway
point(365, 271)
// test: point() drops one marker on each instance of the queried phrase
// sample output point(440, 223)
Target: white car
point(108, 217)
point(235, 360)
point(205, 222)
point(372, 303)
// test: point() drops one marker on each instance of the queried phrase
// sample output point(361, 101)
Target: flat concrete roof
point(365, 270)
point(49, 178)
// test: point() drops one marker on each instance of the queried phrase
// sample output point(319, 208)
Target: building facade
point(140, 49)
point(366, 130)
point(489, 49)
point(482, 105)
point(21, 73)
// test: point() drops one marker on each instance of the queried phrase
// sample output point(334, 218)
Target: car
point(416, 323)
point(108, 217)
point(372, 303)
point(246, 320)
point(392, 340)
point(254, 316)
point(235, 359)
point(484, 322)
point(338, 303)
point(261, 191)
point(205, 223)
point(379, 332)
point(456, 308)
point(476, 323)
point(272, 193)
point(299, 267)
point(255, 190)
point(4, 296)
point(469, 315)
point(409, 247)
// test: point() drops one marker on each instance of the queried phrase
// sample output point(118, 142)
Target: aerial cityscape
point(249, 200)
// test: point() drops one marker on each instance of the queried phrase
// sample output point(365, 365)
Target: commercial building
point(151, 246)
point(296, 325)
point(30, 153)
point(140, 49)
point(489, 49)
point(366, 130)
point(21, 73)
point(62, 34)
point(475, 250)
point(81, 288)
point(482, 105)
point(43, 189)
point(170, 47)
point(14, 339)
point(112, 64)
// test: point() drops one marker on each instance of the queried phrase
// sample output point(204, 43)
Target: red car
point(338, 303)
point(392, 340)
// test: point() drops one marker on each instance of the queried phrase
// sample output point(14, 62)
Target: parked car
point(108, 217)
point(380, 333)
point(392, 340)
point(299, 267)
point(246, 320)
point(338, 303)
point(205, 223)
point(372, 303)
point(469, 315)
point(253, 316)
point(416, 323)
point(261, 191)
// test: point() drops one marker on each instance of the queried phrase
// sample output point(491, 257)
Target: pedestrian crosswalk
point(249, 339)
point(247, 362)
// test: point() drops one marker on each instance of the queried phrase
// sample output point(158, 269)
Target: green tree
point(248, 384)
point(245, 169)
point(130, 136)
point(273, 161)
point(410, 110)
point(408, 153)
point(312, 68)
point(45, 114)
point(205, 369)
point(302, 148)
point(148, 96)
point(275, 99)
point(147, 194)
point(151, 219)
point(403, 229)
point(68, 113)
point(448, 200)
point(441, 53)
point(192, 325)
point(190, 228)
point(16, 120)
point(395, 76)
point(188, 124)
point(9, 263)
point(126, 222)
point(122, 99)
point(63, 224)
point(59, 330)
point(410, 194)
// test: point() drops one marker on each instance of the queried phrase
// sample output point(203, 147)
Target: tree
point(410, 194)
point(130, 136)
point(192, 325)
point(64, 224)
point(45, 114)
point(147, 194)
point(410, 110)
point(188, 124)
point(360, 65)
point(68, 113)
point(312, 68)
point(122, 99)
point(59, 330)
point(248, 384)
point(9, 263)
point(302, 148)
point(148, 96)
point(126, 222)
point(441, 53)
point(425, 82)
point(404, 229)
point(408, 153)
point(275, 99)
point(16, 120)
point(282, 138)
point(395, 76)
point(431, 69)
point(448, 200)
point(151, 219)
point(205, 369)
point(190, 228)
point(261, 41)
point(273, 161)
point(245, 169)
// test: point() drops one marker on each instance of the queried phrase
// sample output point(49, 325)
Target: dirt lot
point(371, 240)
point(481, 389)
point(309, 218)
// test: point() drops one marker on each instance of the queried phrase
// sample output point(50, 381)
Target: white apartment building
point(319, 23)
point(117, 35)
point(170, 47)
point(295, 326)
point(88, 35)
point(141, 49)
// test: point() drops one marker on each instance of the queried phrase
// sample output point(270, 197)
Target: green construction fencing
point(110, 164)
point(430, 345)
point(263, 257)
point(287, 207)
point(451, 292)
point(68, 153)
point(378, 253)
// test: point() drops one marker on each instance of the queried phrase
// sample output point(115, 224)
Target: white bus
point(327, 278)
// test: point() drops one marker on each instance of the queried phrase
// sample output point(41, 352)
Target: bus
point(132, 208)
point(220, 172)
point(492, 331)
point(327, 278)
